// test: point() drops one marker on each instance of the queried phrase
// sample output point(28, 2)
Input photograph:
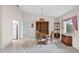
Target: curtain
point(74, 21)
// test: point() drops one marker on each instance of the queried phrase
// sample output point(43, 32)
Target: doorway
point(15, 28)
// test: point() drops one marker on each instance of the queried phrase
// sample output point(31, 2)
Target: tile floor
point(29, 46)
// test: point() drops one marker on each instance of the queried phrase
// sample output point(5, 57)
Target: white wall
point(29, 19)
point(0, 26)
point(9, 13)
point(74, 12)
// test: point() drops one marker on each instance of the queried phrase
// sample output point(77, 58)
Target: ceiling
point(48, 10)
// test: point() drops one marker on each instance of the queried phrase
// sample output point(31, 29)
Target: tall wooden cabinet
point(56, 30)
point(57, 27)
point(42, 27)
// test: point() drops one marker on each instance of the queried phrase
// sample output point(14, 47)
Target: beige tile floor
point(29, 46)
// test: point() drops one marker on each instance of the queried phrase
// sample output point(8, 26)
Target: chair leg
point(41, 43)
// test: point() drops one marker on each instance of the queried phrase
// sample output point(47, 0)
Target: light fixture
point(42, 15)
point(17, 5)
point(42, 12)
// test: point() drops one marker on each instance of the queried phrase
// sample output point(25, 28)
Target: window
point(68, 26)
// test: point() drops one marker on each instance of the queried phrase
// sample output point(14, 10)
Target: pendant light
point(42, 16)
